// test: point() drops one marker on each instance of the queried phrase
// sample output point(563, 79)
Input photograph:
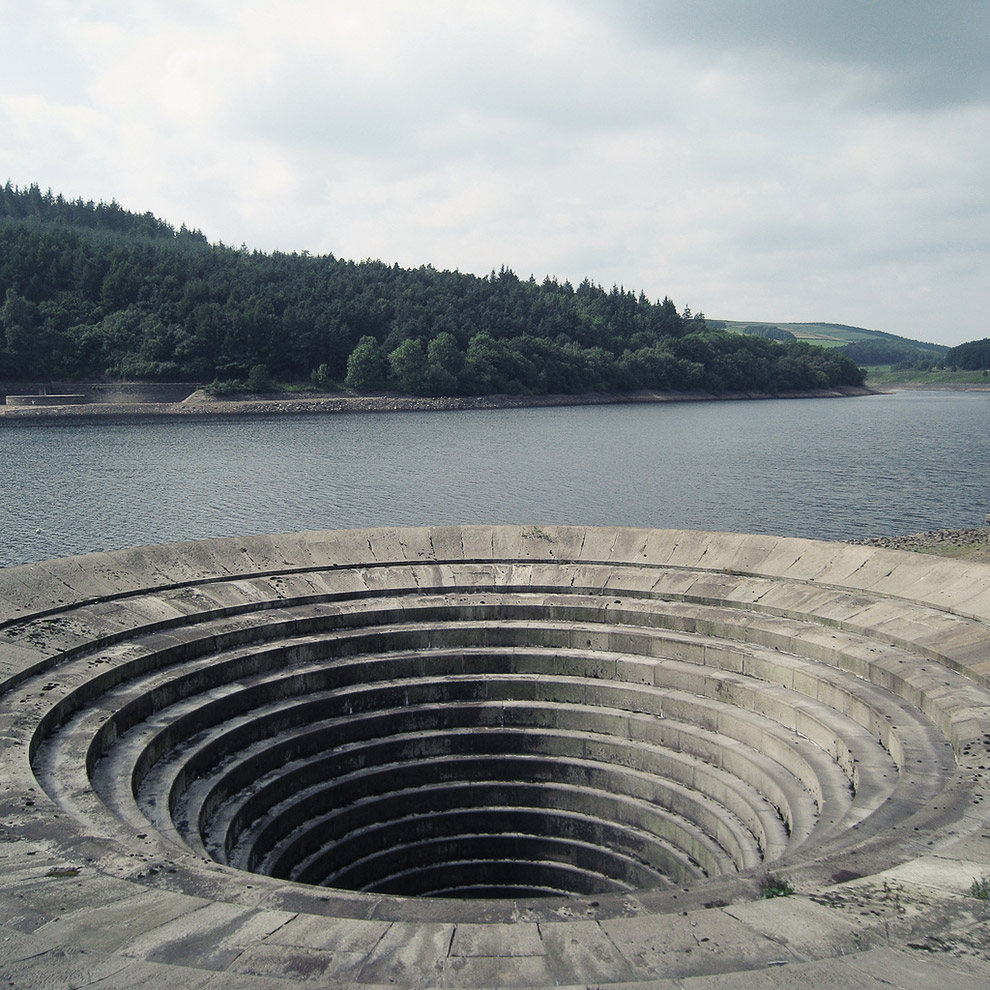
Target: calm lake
point(823, 468)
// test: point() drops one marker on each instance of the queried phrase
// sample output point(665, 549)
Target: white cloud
point(758, 161)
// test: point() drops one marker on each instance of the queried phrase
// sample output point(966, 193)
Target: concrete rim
point(915, 627)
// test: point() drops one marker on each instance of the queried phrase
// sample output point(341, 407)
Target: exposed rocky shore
point(200, 404)
point(963, 544)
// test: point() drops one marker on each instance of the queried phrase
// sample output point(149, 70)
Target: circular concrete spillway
point(490, 755)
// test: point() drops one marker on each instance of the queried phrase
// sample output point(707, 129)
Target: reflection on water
point(823, 468)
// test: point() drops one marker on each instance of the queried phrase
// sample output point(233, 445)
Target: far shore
point(201, 405)
point(929, 387)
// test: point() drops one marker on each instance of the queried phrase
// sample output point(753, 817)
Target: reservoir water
point(821, 468)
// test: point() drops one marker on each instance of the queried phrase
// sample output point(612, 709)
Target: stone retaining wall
point(47, 400)
point(98, 392)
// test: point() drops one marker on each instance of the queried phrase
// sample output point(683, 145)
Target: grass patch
point(977, 550)
point(774, 885)
point(884, 375)
point(980, 889)
point(294, 388)
point(820, 334)
point(536, 533)
point(241, 389)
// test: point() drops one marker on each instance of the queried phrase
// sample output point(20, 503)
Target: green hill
point(92, 291)
point(868, 348)
point(832, 334)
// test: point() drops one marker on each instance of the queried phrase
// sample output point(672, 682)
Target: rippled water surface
point(824, 468)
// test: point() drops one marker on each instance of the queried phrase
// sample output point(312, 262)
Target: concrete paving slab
point(313, 967)
point(522, 939)
point(942, 873)
point(918, 970)
point(804, 929)
point(415, 955)
point(877, 969)
point(102, 929)
point(210, 937)
point(34, 903)
point(498, 971)
point(690, 944)
point(580, 953)
point(332, 934)
point(68, 967)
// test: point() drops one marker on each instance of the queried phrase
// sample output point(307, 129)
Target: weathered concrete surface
point(103, 393)
point(44, 399)
point(659, 718)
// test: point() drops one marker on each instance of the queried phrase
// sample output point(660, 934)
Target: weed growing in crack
point(774, 885)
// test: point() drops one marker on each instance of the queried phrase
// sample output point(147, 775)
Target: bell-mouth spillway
point(493, 726)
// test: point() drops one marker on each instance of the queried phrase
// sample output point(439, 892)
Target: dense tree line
point(771, 333)
point(91, 291)
point(33, 204)
point(971, 356)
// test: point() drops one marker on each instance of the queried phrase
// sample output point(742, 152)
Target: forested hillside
point(92, 291)
point(974, 355)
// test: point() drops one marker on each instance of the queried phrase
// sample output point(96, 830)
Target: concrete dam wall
point(42, 393)
point(494, 756)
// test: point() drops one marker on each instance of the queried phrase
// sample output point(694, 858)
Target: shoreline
point(972, 543)
point(929, 387)
point(202, 406)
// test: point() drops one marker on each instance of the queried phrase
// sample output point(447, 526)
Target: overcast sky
point(778, 160)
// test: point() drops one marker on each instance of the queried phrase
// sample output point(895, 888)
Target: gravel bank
point(963, 544)
point(200, 404)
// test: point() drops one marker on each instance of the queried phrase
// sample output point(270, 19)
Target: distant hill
point(865, 347)
point(974, 355)
point(830, 334)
